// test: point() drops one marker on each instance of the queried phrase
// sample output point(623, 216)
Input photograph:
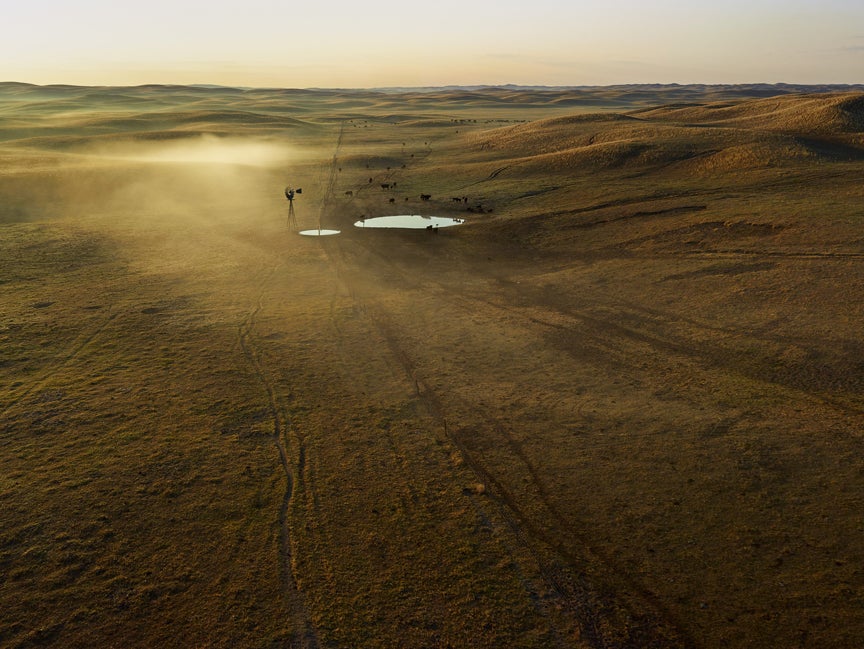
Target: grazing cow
point(392, 200)
point(349, 193)
point(425, 197)
point(385, 185)
point(456, 199)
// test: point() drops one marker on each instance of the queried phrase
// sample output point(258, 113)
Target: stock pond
point(409, 222)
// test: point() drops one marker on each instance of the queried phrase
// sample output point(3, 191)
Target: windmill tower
point(290, 192)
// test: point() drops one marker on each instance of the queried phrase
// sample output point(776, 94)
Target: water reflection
point(318, 233)
point(409, 222)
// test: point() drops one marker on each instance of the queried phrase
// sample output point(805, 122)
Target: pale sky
point(373, 43)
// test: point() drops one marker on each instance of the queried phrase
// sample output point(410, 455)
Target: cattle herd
point(463, 200)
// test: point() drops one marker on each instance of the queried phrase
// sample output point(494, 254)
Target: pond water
point(409, 222)
point(318, 233)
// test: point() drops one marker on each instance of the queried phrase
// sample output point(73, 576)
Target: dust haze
point(180, 190)
point(619, 406)
point(204, 150)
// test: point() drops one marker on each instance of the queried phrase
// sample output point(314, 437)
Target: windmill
point(292, 218)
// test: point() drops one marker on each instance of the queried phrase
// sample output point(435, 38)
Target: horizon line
point(467, 86)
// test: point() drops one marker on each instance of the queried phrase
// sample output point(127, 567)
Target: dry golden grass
point(621, 406)
point(821, 114)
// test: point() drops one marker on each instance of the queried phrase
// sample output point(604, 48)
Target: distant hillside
point(701, 127)
point(812, 113)
point(743, 90)
point(696, 138)
point(635, 94)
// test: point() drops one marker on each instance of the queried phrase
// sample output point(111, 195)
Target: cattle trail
point(330, 188)
point(303, 633)
point(638, 617)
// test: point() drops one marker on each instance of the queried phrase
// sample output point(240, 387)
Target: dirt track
point(613, 433)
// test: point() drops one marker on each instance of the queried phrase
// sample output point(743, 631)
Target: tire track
point(303, 633)
point(330, 188)
point(591, 611)
point(602, 329)
point(606, 619)
point(803, 255)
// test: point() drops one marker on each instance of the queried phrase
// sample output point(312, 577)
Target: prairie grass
point(620, 406)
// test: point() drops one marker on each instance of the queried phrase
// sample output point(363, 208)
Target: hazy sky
point(364, 43)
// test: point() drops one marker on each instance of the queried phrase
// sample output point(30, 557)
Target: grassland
point(620, 407)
